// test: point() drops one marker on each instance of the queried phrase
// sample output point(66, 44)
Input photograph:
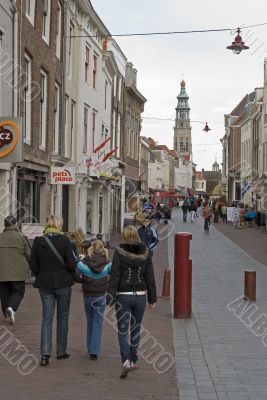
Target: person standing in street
point(207, 215)
point(54, 265)
point(148, 234)
point(224, 213)
point(15, 254)
point(192, 211)
point(95, 269)
point(131, 281)
point(185, 208)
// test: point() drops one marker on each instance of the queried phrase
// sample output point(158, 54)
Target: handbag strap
point(52, 247)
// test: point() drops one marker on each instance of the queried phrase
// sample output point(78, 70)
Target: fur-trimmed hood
point(133, 252)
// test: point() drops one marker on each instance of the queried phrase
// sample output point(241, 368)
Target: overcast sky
point(216, 79)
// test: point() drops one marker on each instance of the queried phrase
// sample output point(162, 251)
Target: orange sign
point(8, 137)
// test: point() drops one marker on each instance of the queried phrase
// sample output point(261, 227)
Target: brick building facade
point(40, 62)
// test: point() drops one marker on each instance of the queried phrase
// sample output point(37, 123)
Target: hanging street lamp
point(237, 46)
point(206, 128)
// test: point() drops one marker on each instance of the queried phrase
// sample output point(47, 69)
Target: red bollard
point(182, 276)
point(166, 284)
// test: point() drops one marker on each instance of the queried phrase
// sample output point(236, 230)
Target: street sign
point(62, 176)
point(11, 140)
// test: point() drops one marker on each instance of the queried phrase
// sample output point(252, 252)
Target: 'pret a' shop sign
point(62, 176)
point(11, 140)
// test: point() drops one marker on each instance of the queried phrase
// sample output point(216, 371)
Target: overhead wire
point(173, 120)
point(168, 32)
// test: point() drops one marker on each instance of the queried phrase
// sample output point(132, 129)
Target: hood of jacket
point(134, 253)
point(96, 262)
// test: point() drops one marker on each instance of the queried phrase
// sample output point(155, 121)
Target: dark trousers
point(130, 311)
point(206, 224)
point(184, 215)
point(50, 298)
point(11, 294)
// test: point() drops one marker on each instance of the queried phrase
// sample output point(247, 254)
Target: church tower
point(182, 131)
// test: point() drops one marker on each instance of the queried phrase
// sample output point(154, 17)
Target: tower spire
point(182, 129)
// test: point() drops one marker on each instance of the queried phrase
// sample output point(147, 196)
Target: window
point(187, 144)
point(66, 146)
point(102, 131)
point(115, 85)
point(119, 89)
point(106, 89)
point(72, 116)
point(70, 55)
point(46, 20)
point(182, 144)
point(94, 71)
point(56, 120)
point(86, 66)
point(27, 100)
point(59, 31)
point(93, 128)
point(85, 130)
point(114, 130)
point(43, 110)
point(30, 10)
point(54, 199)
point(118, 144)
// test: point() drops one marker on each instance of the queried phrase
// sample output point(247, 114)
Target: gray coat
point(15, 254)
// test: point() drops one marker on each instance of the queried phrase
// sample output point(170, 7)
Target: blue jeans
point(49, 299)
point(130, 311)
point(94, 309)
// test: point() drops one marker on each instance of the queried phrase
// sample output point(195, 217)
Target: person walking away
point(54, 265)
point(192, 211)
point(148, 235)
point(224, 213)
point(158, 212)
point(216, 212)
point(206, 216)
point(15, 254)
point(95, 269)
point(185, 209)
point(131, 281)
point(196, 207)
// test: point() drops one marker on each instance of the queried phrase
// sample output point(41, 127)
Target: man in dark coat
point(15, 254)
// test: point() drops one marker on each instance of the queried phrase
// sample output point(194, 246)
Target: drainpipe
point(1, 38)
point(15, 91)
point(63, 114)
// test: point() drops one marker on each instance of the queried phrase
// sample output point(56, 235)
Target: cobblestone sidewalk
point(218, 355)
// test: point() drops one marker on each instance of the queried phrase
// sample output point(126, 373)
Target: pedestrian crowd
point(127, 283)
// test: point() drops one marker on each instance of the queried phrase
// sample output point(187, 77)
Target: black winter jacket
point(132, 271)
point(95, 282)
point(50, 273)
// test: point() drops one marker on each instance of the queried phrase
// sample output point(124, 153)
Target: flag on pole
point(245, 188)
point(101, 145)
point(108, 155)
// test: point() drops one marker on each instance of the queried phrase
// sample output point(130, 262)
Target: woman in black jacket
point(131, 281)
point(54, 280)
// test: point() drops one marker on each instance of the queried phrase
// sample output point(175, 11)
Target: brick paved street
point(217, 356)
point(79, 378)
point(252, 240)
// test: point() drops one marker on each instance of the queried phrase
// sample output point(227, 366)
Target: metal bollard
point(182, 276)
point(250, 285)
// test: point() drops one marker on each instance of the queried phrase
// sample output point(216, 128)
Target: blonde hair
point(130, 234)
point(97, 247)
point(53, 222)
